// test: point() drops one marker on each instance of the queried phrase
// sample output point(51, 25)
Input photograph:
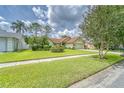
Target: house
point(72, 42)
point(69, 42)
point(11, 42)
point(76, 43)
point(89, 45)
point(60, 41)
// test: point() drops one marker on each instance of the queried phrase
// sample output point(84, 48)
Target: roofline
point(64, 40)
point(10, 34)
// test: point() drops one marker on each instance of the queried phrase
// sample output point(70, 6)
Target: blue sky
point(13, 13)
point(63, 19)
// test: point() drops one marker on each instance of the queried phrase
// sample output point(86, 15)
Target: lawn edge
point(94, 73)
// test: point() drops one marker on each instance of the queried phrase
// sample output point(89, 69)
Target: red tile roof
point(68, 40)
point(72, 40)
point(56, 40)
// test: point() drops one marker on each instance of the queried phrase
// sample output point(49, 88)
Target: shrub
point(39, 43)
point(57, 48)
point(47, 47)
point(34, 47)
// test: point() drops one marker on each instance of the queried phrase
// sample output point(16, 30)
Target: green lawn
point(121, 51)
point(29, 54)
point(54, 74)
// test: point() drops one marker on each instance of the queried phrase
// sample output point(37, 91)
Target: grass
point(29, 54)
point(121, 51)
point(54, 74)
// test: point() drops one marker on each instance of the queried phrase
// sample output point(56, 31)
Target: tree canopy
point(19, 26)
point(103, 25)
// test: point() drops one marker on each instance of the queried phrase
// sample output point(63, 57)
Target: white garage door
point(10, 44)
point(2, 44)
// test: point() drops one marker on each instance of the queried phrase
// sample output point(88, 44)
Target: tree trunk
point(107, 49)
point(101, 54)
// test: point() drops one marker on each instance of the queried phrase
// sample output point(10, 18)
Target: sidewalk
point(41, 60)
point(111, 77)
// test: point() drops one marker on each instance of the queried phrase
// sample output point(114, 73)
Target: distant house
point(60, 41)
point(75, 42)
point(11, 42)
point(89, 45)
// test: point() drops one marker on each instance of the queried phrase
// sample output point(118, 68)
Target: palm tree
point(19, 27)
point(35, 27)
point(47, 29)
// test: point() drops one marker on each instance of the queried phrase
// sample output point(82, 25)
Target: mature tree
point(35, 27)
point(47, 29)
point(19, 27)
point(100, 26)
point(119, 20)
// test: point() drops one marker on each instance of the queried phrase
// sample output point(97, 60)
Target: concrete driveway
point(112, 77)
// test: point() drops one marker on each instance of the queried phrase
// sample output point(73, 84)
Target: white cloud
point(65, 16)
point(71, 33)
point(27, 23)
point(65, 19)
point(5, 26)
point(40, 13)
point(1, 18)
point(40, 21)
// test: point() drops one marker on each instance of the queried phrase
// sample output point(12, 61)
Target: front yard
point(29, 54)
point(54, 74)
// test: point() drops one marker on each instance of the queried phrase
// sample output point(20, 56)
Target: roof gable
point(72, 40)
point(64, 40)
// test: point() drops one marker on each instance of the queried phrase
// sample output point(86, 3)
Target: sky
point(64, 20)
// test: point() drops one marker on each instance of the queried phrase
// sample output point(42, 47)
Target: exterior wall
point(16, 44)
point(79, 44)
point(51, 43)
point(89, 46)
point(21, 44)
point(69, 45)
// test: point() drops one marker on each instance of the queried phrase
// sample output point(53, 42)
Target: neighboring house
point(76, 43)
point(89, 45)
point(11, 42)
point(69, 42)
point(60, 41)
